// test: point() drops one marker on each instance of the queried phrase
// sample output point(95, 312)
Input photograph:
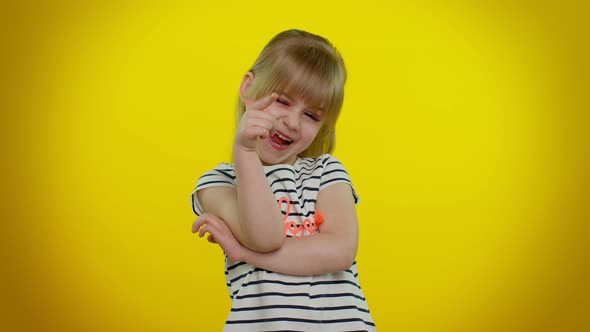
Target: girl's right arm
point(332, 249)
point(250, 210)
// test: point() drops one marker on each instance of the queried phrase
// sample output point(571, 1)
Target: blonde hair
point(308, 66)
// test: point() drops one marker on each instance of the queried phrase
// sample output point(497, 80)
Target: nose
point(292, 119)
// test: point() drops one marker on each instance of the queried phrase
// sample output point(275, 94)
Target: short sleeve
point(334, 172)
point(223, 175)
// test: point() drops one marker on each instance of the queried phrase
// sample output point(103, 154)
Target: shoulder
point(333, 172)
point(330, 165)
point(220, 183)
point(224, 169)
point(222, 175)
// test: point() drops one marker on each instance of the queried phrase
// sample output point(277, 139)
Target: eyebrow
point(316, 109)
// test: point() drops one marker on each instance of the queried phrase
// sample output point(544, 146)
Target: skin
point(293, 118)
point(332, 249)
point(233, 220)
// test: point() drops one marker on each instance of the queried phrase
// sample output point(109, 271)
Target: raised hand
point(255, 123)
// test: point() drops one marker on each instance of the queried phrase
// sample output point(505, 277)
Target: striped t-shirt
point(263, 300)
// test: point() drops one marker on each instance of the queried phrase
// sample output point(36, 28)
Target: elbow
point(270, 245)
point(345, 262)
point(339, 257)
point(267, 244)
point(336, 265)
point(346, 258)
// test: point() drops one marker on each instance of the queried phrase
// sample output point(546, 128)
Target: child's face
point(297, 126)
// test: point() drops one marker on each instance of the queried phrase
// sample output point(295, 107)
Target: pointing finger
point(264, 102)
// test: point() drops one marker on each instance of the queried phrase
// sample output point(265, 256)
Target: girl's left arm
point(332, 249)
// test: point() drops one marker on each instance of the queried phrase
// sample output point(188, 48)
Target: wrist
point(244, 143)
point(243, 154)
point(239, 255)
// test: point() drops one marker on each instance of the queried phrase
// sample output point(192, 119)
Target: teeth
point(284, 137)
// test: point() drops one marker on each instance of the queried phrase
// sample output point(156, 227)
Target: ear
point(246, 83)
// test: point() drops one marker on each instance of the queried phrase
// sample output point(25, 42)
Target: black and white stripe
point(270, 301)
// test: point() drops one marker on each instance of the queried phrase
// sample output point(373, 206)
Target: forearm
point(259, 215)
point(306, 255)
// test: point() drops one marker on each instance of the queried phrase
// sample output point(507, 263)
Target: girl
point(288, 265)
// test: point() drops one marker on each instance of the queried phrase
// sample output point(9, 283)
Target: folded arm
point(332, 249)
point(240, 207)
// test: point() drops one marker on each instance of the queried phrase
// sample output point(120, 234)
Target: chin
point(274, 157)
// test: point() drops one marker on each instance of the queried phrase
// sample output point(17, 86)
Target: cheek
point(274, 110)
point(310, 133)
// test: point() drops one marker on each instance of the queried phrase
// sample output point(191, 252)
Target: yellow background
point(464, 129)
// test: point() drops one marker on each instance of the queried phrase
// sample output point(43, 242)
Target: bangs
point(310, 76)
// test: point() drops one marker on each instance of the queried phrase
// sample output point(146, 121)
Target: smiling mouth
point(280, 141)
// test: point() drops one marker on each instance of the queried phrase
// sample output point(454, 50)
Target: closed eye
point(282, 101)
point(313, 116)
